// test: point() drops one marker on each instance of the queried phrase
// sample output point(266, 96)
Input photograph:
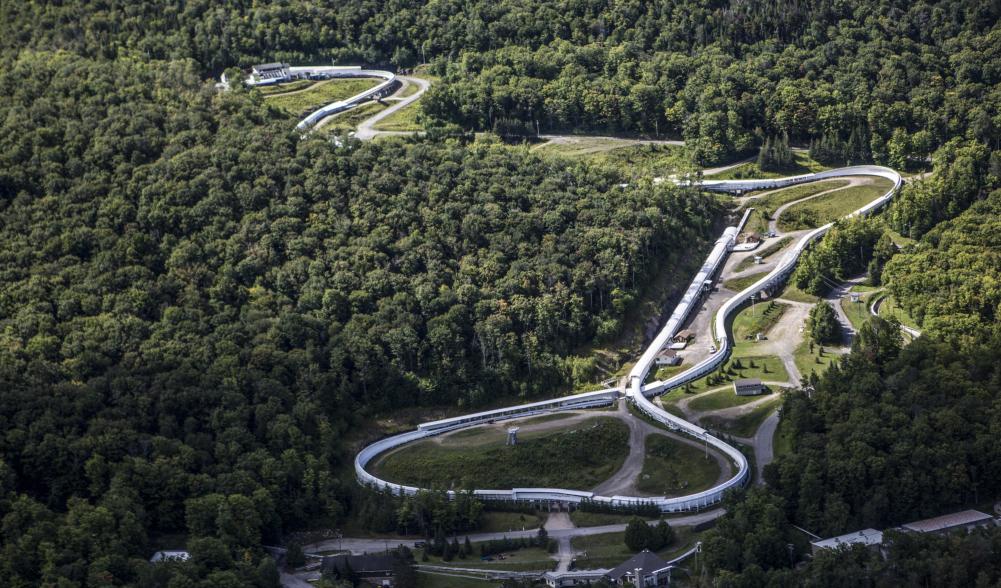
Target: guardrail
point(640, 392)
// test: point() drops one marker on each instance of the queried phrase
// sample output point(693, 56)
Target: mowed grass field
point(580, 456)
point(671, 468)
point(608, 550)
point(746, 424)
point(321, 94)
point(634, 158)
point(765, 206)
point(802, 164)
point(830, 207)
point(720, 399)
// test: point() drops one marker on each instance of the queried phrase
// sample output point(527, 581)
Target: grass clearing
point(598, 519)
point(738, 284)
point(757, 320)
point(322, 94)
point(350, 119)
point(743, 364)
point(283, 88)
point(791, 292)
point(857, 312)
point(672, 468)
point(501, 522)
point(802, 164)
point(404, 119)
point(830, 207)
point(746, 424)
point(890, 308)
point(634, 158)
point(608, 550)
point(720, 399)
point(426, 580)
point(527, 559)
point(580, 456)
point(813, 362)
point(782, 443)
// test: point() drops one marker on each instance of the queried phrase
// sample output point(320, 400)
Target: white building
point(748, 387)
point(867, 537)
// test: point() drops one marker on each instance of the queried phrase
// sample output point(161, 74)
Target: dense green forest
point(199, 309)
point(888, 80)
point(196, 302)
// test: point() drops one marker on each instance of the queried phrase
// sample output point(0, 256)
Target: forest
point(200, 310)
point(198, 304)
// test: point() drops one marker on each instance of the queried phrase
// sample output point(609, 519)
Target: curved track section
point(637, 390)
point(327, 72)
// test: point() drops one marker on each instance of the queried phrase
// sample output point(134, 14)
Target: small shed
point(684, 335)
point(667, 357)
point(748, 387)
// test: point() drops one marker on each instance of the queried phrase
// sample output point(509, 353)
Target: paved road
point(623, 482)
point(359, 545)
point(366, 129)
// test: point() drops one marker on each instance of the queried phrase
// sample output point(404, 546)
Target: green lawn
point(757, 319)
point(633, 159)
point(782, 443)
point(802, 164)
point(857, 312)
point(349, 120)
point(519, 560)
point(425, 580)
point(283, 88)
point(830, 207)
point(322, 94)
point(608, 550)
point(404, 119)
point(738, 284)
point(499, 522)
point(745, 425)
point(812, 362)
point(580, 456)
point(766, 367)
point(719, 399)
point(793, 293)
point(765, 253)
point(671, 468)
point(889, 307)
point(598, 519)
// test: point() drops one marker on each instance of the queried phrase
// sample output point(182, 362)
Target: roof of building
point(170, 555)
point(647, 562)
point(360, 564)
point(667, 353)
point(949, 521)
point(269, 66)
point(863, 537)
point(580, 574)
point(747, 382)
point(684, 334)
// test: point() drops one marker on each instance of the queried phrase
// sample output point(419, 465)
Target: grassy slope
point(321, 95)
point(609, 549)
point(673, 469)
point(725, 398)
point(578, 457)
point(802, 164)
point(830, 207)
